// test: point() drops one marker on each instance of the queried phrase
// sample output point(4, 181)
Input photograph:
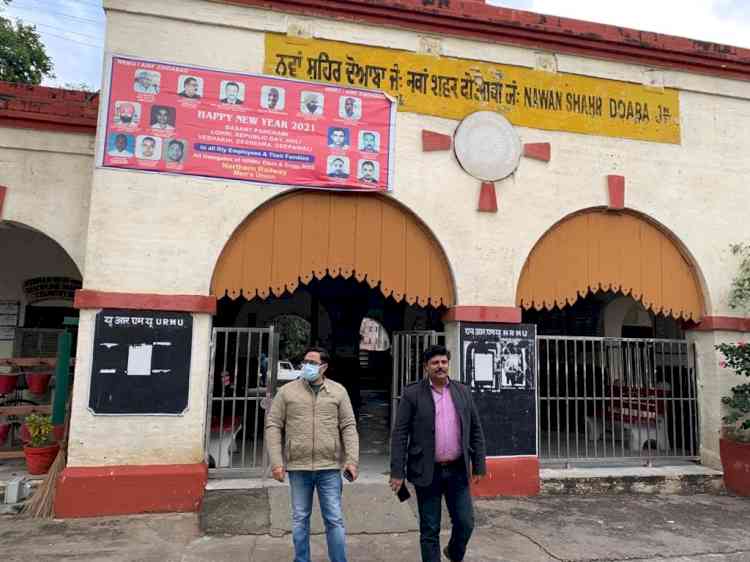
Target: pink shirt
point(447, 426)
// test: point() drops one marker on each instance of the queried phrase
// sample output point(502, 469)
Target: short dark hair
point(324, 357)
point(434, 351)
point(152, 139)
point(190, 79)
point(235, 84)
point(338, 159)
point(334, 129)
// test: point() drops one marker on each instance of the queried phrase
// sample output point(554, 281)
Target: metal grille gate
point(242, 382)
point(407, 358)
point(616, 398)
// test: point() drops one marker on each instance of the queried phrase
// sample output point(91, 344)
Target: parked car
point(286, 371)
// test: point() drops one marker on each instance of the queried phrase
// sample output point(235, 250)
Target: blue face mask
point(310, 372)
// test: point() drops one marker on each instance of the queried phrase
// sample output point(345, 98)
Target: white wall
point(48, 176)
point(674, 184)
point(97, 440)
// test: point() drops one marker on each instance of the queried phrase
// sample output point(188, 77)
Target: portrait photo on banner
point(148, 147)
point(120, 145)
point(147, 81)
point(127, 114)
point(311, 103)
point(338, 167)
point(190, 87)
point(175, 152)
point(273, 98)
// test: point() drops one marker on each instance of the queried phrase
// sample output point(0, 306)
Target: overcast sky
point(73, 30)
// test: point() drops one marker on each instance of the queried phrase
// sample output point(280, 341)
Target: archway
point(334, 259)
point(37, 283)
point(609, 293)
point(40, 278)
point(600, 251)
point(310, 235)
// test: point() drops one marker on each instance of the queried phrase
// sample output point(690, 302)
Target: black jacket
point(415, 432)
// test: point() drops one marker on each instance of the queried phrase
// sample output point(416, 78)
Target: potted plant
point(38, 381)
point(8, 382)
point(734, 445)
point(40, 449)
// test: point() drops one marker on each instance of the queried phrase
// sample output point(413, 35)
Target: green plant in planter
point(737, 355)
point(737, 358)
point(40, 429)
point(739, 294)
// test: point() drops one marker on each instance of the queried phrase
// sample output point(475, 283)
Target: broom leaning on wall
point(42, 502)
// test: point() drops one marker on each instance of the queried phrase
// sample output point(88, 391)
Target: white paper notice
point(483, 367)
point(139, 359)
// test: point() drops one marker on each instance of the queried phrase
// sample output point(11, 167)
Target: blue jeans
point(329, 485)
point(452, 482)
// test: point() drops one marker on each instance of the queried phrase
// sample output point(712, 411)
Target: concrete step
point(661, 480)
point(368, 508)
point(246, 507)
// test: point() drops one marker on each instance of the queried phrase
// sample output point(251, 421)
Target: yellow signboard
point(454, 88)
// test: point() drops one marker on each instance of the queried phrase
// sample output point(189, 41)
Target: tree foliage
point(22, 54)
point(737, 358)
point(737, 355)
point(739, 294)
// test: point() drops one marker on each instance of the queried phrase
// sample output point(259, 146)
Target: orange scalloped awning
point(313, 234)
point(600, 250)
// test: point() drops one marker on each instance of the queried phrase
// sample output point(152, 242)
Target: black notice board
point(498, 362)
point(141, 362)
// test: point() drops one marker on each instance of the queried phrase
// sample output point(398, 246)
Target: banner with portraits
point(177, 119)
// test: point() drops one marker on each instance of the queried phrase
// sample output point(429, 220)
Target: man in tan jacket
point(312, 417)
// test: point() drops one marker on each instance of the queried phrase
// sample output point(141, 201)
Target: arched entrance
point(599, 251)
point(40, 278)
point(340, 270)
point(610, 293)
point(37, 283)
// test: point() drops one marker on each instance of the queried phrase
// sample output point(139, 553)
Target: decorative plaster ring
point(487, 146)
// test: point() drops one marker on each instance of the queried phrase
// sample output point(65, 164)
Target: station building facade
point(614, 222)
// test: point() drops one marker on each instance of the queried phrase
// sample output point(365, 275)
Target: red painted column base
point(509, 476)
point(464, 313)
point(126, 490)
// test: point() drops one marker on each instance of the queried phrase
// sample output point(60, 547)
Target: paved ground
point(700, 528)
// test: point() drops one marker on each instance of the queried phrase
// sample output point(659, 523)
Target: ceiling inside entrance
point(307, 235)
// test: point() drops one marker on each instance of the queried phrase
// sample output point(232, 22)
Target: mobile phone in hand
point(348, 475)
point(403, 493)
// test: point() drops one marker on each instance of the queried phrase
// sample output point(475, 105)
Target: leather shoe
point(448, 556)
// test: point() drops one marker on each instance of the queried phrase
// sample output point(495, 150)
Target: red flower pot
point(8, 383)
point(4, 431)
point(735, 459)
point(39, 459)
point(38, 382)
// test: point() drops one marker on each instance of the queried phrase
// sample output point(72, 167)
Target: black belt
point(450, 463)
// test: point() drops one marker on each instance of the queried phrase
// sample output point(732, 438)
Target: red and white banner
point(178, 119)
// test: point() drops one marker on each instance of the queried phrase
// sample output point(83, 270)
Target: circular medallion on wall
point(487, 146)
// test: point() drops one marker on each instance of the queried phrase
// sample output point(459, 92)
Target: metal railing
point(616, 398)
point(407, 361)
point(242, 382)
